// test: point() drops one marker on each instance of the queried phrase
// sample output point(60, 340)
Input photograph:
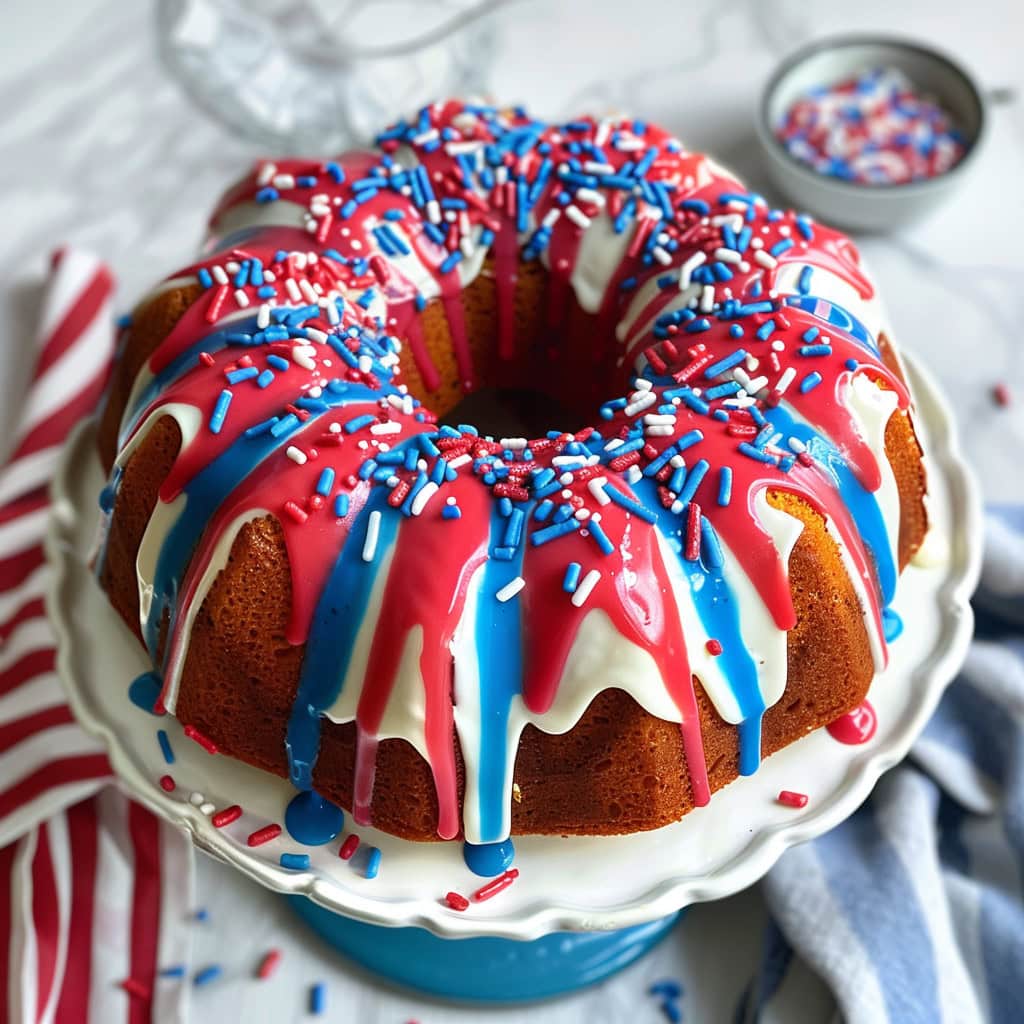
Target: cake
point(451, 633)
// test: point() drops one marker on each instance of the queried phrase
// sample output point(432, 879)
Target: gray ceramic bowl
point(848, 204)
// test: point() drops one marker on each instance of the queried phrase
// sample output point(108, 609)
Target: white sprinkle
point(596, 488)
point(582, 514)
point(296, 455)
point(314, 335)
point(634, 474)
point(588, 195)
point(687, 269)
point(301, 358)
point(386, 428)
point(615, 442)
point(284, 181)
point(778, 346)
point(219, 274)
point(308, 291)
point(196, 799)
point(207, 808)
point(727, 256)
point(643, 402)
point(372, 532)
point(461, 460)
point(269, 277)
point(423, 495)
point(433, 211)
point(707, 298)
point(263, 316)
point(292, 288)
point(334, 428)
point(577, 216)
point(241, 299)
point(267, 172)
point(586, 585)
point(315, 392)
point(786, 379)
point(643, 384)
point(797, 445)
point(765, 260)
point(233, 266)
point(658, 430)
point(510, 589)
point(551, 217)
point(661, 255)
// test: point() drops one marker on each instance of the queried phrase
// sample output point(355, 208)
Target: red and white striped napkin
point(95, 892)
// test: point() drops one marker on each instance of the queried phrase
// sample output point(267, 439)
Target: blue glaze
point(719, 614)
point(144, 691)
point(483, 970)
point(312, 820)
point(892, 624)
point(860, 502)
point(332, 634)
point(836, 316)
point(499, 646)
point(208, 490)
point(488, 859)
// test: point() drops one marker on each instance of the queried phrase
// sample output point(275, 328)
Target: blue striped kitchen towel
point(911, 911)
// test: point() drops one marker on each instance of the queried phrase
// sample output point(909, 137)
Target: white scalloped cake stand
point(564, 883)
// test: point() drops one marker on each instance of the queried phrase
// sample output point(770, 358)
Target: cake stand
point(627, 889)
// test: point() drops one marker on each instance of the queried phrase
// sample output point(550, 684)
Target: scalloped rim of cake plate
point(566, 884)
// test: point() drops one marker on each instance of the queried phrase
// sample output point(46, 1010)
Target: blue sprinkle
point(358, 422)
point(543, 510)
point(318, 999)
point(174, 971)
point(735, 331)
point(278, 362)
point(451, 261)
point(755, 453)
point(730, 387)
point(597, 532)
point(451, 512)
point(326, 482)
point(851, 364)
point(335, 171)
point(815, 350)
point(693, 480)
point(207, 974)
point(220, 410)
point(283, 425)
point(780, 247)
point(265, 378)
point(727, 363)
point(725, 485)
point(261, 428)
point(810, 334)
point(764, 332)
point(204, 278)
point(640, 511)
point(572, 577)
point(267, 195)
point(341, 506)
point(711, 545)
point(810, 382)
point(373, 862)
point(561, 529)
point(804, 283)
point(165, 746)
point(245, 373)
point(201, 914)
point(295, 861)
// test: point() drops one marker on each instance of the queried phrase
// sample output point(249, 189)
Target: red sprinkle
point(496, 885)
point(228, 815)
point(167, 784)
point(134, 987)
point(456, 901)
point(1001, 394)
point(299, 514)
point(692, 552)
point(790, 799)
point(205, 742)
point(714, 648)
point(206, 359)
point(349, 847)
point(268, 964)
point(263, 835)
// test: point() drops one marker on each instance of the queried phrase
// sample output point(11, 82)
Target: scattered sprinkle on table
point(263, 835)
point(496, 885)
point(207, 974)
point(268, 964)
point(1001, 394)
point(874, 129)
point(790, 799)
point(295, 861)
point(318, 999)
point(134, 987)
point(456, 900)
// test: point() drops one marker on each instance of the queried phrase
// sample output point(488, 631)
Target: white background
point(100, 148)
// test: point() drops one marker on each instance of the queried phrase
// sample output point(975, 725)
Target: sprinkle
point(507, 592)
point(341, 506)
point(724, 485)
point(373, 862)
point(358, 422)
point(810, 382)
point(318, 999)
point(194, 734)
point(263, 835)
point(206, 975)
point(134, 987)
point(586, 585)
point(496, 885)
point(572, 577)
point(788, 798)
point(456, 901)
point(602, 539)
point(297, 455)
point(714, 648)
point(326, 482)
point(372, 532)
point(165, 745)
point(1001, 394)
point(220, 411)
point(268, 964)
point(295, 861)
point(174, 971)
point(226, 816)
point(167, 784)
point(349, 846)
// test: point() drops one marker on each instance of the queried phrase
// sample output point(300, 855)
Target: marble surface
point(102, 149)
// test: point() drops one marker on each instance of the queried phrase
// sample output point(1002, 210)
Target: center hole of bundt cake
point(513, 412)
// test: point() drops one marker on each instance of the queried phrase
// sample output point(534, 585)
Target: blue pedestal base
point(486, 970)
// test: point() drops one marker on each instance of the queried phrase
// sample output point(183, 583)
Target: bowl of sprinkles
point(870, 132)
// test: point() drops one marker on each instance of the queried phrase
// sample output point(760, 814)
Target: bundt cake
point(450, 632)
